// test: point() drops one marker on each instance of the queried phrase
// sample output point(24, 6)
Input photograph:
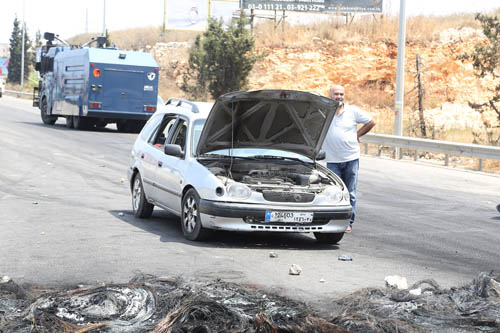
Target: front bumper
point(251, 217)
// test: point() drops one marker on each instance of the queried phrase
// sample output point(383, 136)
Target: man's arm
point(365, 128)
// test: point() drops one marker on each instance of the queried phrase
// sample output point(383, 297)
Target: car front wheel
point(142, 208)
point(190, 217)
point(332, 238)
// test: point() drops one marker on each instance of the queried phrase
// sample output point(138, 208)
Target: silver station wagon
point(248, 162)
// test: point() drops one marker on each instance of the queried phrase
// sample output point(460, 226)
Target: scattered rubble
point(396, 281)
point(345, 258)
point(295, 270)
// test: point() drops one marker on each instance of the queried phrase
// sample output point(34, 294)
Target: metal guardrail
point(18, 93)
point(448, 148)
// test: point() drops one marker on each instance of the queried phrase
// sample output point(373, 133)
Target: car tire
point(190, 217)
point(141, 207)
point(69, 121)
point(328, 238)
point(46, 118)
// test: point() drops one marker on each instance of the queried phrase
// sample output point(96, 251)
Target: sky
point(71, 17)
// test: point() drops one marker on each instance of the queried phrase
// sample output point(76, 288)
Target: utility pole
point(104, 20)
point(164, 16)
point(400, 78)
point(22, 53)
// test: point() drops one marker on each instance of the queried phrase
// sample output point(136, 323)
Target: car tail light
point(95, 105)
point(150, 108)
point(96, 72)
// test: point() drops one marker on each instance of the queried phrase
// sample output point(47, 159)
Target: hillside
point(367, 70)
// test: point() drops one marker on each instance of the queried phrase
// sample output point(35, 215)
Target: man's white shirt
point(341, 142)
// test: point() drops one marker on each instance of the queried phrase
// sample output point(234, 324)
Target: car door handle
point(160, 163)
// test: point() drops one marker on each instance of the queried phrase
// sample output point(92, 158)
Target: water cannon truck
point(93, 86)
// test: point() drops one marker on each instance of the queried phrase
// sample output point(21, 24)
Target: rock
point(322, 280)
point(295, 270)
point(5, 279)
point(396, 281)
point(345, 258)
point(273, 255)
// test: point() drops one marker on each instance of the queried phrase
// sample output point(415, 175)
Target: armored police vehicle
point(95, 86)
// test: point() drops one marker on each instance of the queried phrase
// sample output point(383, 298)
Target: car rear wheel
point(190, 217)
point(142, 208)
point(332, 238)
point(46, 118)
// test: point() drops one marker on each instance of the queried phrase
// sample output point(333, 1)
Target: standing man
point(342, 143)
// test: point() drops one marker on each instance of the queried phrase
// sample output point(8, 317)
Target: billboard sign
point(186, 15)
point(318, 6)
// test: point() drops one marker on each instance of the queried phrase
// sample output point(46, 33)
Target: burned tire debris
point(164, 304)
point(154, 304)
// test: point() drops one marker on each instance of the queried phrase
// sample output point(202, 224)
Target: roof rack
point(180, 101)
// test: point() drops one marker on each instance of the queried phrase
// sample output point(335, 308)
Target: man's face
point(337, 94)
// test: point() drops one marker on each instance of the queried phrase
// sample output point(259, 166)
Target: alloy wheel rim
point(190, 214)
point(136, 195)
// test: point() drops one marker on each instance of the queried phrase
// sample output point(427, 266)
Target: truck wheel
point(46, 118)
point(329, 238)
point(122, 126)
point(80, 123)
point(69, 121)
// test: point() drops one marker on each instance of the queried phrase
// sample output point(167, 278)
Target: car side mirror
point(321, 155)
point(173, 150)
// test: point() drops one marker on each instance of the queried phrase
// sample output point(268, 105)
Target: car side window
point(150, 126)
point(179, 136)
point(161, 135)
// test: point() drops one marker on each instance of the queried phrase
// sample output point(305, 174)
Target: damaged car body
point(247, 163)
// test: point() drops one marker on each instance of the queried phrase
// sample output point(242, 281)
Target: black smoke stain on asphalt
point(168, 304)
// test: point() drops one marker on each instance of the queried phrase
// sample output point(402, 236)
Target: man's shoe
point(349, 229)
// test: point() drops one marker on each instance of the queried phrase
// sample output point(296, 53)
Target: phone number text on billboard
point(343, 6)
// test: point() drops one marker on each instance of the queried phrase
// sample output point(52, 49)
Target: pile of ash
point(161, 304)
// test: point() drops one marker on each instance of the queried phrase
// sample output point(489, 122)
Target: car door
point(153, 155)
point(169, 174)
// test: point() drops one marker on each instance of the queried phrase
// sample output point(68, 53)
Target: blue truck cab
point(95, 86)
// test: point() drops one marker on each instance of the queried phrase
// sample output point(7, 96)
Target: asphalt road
point(66, 218)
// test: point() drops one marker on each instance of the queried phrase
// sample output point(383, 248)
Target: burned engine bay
point(262, 175)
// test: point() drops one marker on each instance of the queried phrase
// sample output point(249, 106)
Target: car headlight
point(238, 191)
point(346, 195)
point(335, 194)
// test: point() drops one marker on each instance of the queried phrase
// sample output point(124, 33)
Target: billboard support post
point(399, 102)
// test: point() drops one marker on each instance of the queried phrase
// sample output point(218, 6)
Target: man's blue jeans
point(348, 172)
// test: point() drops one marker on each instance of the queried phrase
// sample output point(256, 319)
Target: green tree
point(14, 75)
point(221, 60)
point(486, 59)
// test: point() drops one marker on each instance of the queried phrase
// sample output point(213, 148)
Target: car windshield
point(197, 128)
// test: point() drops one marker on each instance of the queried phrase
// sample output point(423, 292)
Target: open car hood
point(289, 120)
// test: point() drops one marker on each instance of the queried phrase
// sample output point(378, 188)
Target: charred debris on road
point(155, 304)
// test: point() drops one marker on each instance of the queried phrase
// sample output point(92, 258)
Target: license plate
point(294, 217)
